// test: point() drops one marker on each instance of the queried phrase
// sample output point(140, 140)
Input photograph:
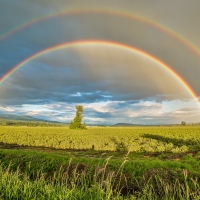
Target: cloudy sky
point(124, 61)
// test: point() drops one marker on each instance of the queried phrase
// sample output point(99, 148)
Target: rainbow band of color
point(101, 42)
point(111, 12)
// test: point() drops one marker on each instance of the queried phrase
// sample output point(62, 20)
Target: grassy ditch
point(65, 177)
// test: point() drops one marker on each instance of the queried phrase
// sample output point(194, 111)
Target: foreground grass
point(26, 174)
point(19, 186)
point(87, 185)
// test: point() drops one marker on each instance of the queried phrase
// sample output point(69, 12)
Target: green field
point(100, 162)
point(136, 139)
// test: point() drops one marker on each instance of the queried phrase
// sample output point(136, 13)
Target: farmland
point(136, 139)
point(129, 154)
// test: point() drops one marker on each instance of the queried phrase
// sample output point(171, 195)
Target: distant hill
point(23, 118)
point(126, 124)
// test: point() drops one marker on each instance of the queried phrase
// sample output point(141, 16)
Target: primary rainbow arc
point(102, 42)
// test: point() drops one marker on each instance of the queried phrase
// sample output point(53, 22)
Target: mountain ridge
point(126, 124)
point(23, 118)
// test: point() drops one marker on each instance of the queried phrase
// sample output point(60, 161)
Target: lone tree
point(76, 123)
point(183, 123)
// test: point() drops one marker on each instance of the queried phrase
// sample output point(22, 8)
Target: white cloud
point(110, 112)
point(7, 109)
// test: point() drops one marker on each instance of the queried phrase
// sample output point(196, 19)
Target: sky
point(124, 61)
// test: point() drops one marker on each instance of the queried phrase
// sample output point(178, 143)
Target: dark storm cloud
point(98, 74)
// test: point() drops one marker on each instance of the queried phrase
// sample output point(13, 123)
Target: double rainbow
point(103, 42)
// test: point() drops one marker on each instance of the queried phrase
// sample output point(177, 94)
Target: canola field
point(131, 139)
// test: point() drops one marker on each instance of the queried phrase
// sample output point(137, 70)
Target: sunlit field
point(136, 139)
point(160, 162)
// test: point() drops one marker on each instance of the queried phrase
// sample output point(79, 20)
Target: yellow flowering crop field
point(133, 139)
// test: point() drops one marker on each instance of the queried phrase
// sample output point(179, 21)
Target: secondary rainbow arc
point(102, 42)
point(163, 28)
